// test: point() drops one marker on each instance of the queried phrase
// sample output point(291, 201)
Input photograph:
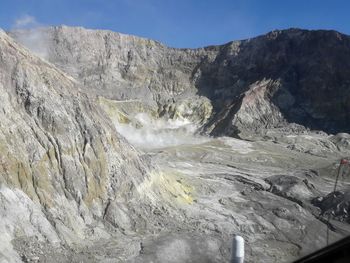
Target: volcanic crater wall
point(305, 74)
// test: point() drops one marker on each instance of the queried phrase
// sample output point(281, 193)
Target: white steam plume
point(159, 133)
point(31, 34)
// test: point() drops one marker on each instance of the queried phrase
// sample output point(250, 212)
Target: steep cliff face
point(306, 74)
point(81, 191)
point(119, 66)
point(63, 166)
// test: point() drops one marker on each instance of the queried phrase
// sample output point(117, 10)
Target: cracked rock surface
point(106, 154)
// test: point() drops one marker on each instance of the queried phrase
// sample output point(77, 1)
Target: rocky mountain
point(63, 165)
point(290, 76)
point(105, 153)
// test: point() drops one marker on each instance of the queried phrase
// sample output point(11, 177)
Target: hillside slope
point(64, 168)
point(289, 76)
point(82, 192)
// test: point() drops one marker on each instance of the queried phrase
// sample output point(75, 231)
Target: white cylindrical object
point(237, 249)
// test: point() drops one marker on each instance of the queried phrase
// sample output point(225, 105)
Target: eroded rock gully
point(113, 147)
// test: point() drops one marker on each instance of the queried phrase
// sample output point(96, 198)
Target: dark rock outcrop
point(335, 204)
point(83, 193)
point(289, 76)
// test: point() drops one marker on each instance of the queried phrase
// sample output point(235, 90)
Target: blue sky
point(180, 23)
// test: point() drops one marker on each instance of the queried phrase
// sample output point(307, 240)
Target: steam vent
point(116, 148)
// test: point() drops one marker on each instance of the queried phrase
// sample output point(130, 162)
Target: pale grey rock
point(120, 66)
point(20, 216)
point(62, 161)
point(263, 191)
point(96, 198)
point(341, 141)
point(252, 85)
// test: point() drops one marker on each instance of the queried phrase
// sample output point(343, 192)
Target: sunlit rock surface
point(106, 157)
point(289, 76)
point(63, 165)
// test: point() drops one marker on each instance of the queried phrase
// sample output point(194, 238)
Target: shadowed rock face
point(336, 203)
point(291, 76)
point(83, 193)
point(294, 75)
